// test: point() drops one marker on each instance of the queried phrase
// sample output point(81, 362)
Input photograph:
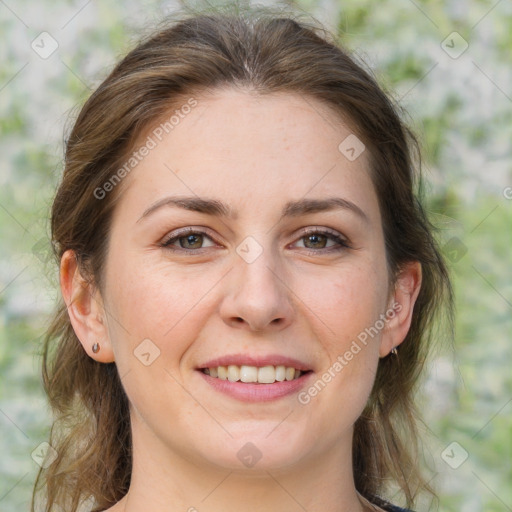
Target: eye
point(187, 239)
point(317, 240)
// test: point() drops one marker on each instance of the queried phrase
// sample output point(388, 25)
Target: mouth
point(256, 377)
point(267, 374)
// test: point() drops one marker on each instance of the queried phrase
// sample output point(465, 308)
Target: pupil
point(315, 238)
point(191, 238)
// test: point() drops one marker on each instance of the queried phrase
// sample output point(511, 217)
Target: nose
point(258, 296)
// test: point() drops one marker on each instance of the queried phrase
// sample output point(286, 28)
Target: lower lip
point(250, 392)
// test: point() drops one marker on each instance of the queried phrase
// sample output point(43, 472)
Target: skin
point(253, 153)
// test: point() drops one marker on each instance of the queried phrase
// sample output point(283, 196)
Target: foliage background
point(461, 108)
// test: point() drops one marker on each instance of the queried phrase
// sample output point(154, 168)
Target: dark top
point(381, 503)
point(385, 506)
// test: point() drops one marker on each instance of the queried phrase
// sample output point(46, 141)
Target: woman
point(249, 281)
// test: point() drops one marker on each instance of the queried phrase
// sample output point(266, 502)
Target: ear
point(400, 307)
point(85, 309)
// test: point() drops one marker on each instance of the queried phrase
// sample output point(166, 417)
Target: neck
point(172, 481)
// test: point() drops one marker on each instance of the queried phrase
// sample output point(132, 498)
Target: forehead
point(239, 144)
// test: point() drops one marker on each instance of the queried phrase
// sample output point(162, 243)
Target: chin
point(258, 451)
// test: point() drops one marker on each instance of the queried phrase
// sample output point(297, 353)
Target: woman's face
point(264, 278)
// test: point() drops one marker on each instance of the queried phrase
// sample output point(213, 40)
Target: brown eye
point(191, 241)
point(322, 241)
point(188, 240)
point(318, 241)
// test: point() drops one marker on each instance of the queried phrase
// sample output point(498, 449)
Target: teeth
point(280, 373)
point(261, 375)
point(233, 372)
point(248, 374)
point(266, 375)
point(290, 373)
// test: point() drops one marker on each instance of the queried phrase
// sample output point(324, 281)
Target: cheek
point(164, 303)
point(345, 312)
point(346, 303)
point(157, 315)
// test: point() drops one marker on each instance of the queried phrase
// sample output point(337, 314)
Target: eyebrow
point(217, 208)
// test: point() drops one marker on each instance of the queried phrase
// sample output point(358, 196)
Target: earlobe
point(85, 310)
point(406, 291)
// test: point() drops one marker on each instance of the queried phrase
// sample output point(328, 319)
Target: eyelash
point(332, 235)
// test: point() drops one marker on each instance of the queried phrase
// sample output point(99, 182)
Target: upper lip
point(253, 360)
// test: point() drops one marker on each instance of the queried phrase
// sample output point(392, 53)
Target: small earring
point(394, 351)
point(96, 348)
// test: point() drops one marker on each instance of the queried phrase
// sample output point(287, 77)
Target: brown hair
point(266, 51)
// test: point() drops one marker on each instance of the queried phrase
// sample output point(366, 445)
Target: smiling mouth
point(254, 374)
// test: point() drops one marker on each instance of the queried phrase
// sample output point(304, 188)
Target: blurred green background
point(457, 90)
